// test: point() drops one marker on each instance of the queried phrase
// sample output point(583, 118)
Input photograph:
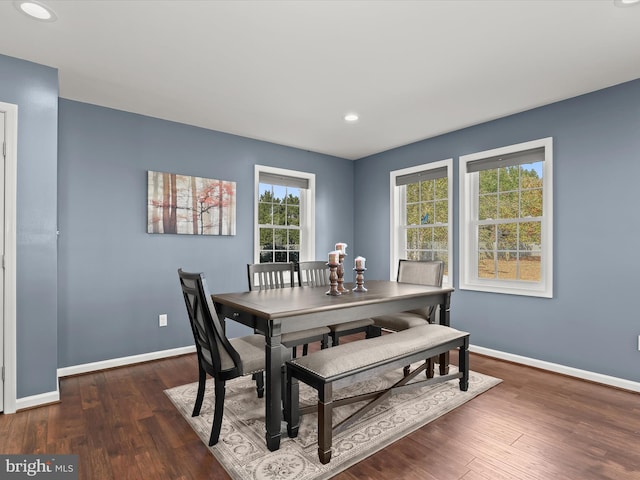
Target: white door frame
point(9, 312)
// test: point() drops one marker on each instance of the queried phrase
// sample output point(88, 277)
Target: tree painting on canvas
point(190, 205)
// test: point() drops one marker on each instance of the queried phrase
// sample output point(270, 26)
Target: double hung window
point(421, 215)
point(284, 215)
point(506, 220)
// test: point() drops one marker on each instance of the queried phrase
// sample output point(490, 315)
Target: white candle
point(334, 257)
point(360, 263)
point(342, 248)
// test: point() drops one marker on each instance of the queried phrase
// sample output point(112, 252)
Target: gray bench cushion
point(351, 356)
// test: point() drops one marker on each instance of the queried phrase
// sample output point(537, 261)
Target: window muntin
point(509, 224)
point(285, 219)
point(426, 225)
point(279, 223)
point(421, 215)
point(506, 219)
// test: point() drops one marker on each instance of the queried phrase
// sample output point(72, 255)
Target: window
point(421, 215)
point(506, 220)
point(284, 215)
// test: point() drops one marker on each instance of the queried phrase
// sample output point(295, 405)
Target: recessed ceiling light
point(36, 10)
point(625, 3)
point(351, 117)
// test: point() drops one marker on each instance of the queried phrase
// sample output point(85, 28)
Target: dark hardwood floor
point(535, 425)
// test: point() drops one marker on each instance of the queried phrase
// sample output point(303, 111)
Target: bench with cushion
point(359, 360)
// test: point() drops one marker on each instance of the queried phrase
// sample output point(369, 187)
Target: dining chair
point(422, 273)
point(316, 273)
point(220, 357)
point(270, 275)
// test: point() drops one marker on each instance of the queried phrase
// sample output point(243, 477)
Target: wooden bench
point(359, 360)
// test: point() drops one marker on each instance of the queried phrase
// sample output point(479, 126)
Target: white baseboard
point(37, 400)
point(557, 368)
point(122, 361)
point(52, 397)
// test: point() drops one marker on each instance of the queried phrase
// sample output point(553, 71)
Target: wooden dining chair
point(316, 273)
point(422, 273)
point(220, 357)
point(266, 276)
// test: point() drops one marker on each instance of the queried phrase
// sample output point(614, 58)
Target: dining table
point(283, 310)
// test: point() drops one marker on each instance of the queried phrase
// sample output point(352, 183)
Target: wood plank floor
point(534, 426)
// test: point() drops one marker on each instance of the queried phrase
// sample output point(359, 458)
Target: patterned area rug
point(242, 450)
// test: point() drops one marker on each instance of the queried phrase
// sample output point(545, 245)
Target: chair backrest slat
point(267, 276)
point(313, 274)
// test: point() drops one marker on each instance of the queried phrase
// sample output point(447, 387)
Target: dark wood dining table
point(285, 310)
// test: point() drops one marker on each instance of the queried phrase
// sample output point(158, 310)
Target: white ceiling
point(288, 71)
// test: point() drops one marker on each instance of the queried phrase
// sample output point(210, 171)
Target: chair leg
point(325, 342)
point(335, 339)
point(463, 366)
point(292, 410)
point(259, 379)
point(373, 331)
point(283, 387)
point(217, 412)
point(202, 380)
point(294, 352)
point(305, 349)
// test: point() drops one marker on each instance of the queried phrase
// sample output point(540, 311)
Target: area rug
point(242, 450)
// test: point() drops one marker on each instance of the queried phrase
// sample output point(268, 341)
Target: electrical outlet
point(162, 320)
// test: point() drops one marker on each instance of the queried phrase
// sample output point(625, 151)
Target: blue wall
point(98, 295)
point(114, 278)
point(592, 321)
point(34, 88)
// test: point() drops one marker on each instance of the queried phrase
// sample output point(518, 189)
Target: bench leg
point(444, 363)
point(430, 369)
point(325, 427)
point(292, 408)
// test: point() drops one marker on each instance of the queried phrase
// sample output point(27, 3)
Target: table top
point(288, 302)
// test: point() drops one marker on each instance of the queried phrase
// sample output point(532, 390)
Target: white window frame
point(307, 211)
point(468, 233)
point(398, 208)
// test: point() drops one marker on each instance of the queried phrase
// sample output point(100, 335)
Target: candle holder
point(333, 278)
point(340, 273)
point(359, 280)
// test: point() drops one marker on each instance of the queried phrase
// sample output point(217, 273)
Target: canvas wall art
point(190, 205)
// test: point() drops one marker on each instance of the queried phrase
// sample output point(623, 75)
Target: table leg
point(445, 320)
point(273, 397)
